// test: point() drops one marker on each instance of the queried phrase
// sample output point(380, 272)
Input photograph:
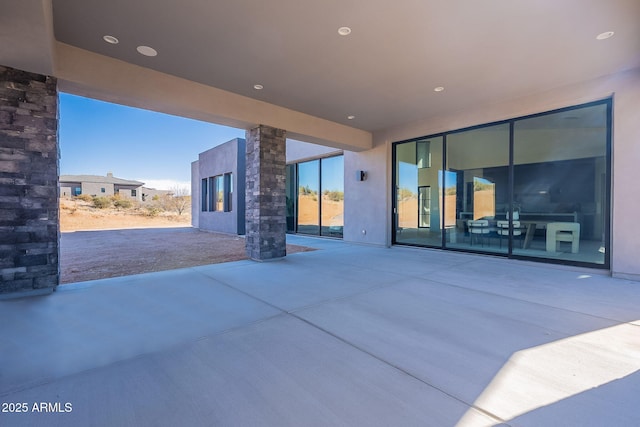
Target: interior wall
point(486, 148)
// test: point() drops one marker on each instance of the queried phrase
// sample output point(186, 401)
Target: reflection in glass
point(418, 193)
point(203, 196)
point(450, 197)
point(308, 197)
point(332, 207)
point(424, 154)
point(407, 186)
point(560, 169)
point(531, 187)
point(424, 206)
point(219, 189)
point(477, 192)
point(484, 198)
point(290, 194)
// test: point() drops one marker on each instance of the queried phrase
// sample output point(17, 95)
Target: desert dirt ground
point(98, 244)
point(78, 215)
point(91, 255)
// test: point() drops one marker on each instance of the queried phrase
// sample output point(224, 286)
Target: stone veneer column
point(265, 212)
point(29, 226)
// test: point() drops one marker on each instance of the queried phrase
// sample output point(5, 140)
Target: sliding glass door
point(315, 197)
point(560, 184)
point(308, 197)
point(533, 187)
point(332, 200)
point(478, 188)
point(418, 192)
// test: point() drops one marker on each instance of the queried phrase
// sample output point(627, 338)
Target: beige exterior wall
point(150, 193)
point(128, 192)
point(624, 88)
point(298, 151)
point(84, 73)
point(95, 189)
point(66, 191)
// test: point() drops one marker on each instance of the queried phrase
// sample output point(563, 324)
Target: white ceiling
point(384, 73)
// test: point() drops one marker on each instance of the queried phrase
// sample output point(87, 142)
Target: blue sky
point(98, 137)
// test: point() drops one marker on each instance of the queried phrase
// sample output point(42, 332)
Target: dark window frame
point(203, 194)
point(608, 102)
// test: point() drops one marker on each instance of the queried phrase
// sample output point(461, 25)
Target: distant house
point(96, 185)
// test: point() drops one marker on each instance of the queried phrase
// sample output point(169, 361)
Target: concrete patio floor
point(346, 335)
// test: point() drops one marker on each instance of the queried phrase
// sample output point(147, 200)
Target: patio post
point(265, 193)
point(29, 226)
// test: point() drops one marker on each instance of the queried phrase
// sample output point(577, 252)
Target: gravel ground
point(90, 255)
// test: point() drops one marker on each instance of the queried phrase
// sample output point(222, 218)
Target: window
point(291, 198)
point(102, 190)
point(134, 193)
point(77, 191)
point(219, 193)
point(203, 197)
point(535, 187)
point(212, 191)
point(332, 196)
point(228, 192)
point(315, 197)
point(308, 202)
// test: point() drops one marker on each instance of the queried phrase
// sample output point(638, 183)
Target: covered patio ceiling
point(381, 75)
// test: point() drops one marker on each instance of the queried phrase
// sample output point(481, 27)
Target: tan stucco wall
point(95, 189)
point(298, 151)
point(88, 74)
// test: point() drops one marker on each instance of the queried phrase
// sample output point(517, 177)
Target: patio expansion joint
point(360, 349)
point(305, 307)
point(494, 417)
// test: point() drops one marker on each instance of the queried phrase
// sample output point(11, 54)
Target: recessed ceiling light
point(146, 51)
point(605, 35)
point(438, 89)
point(258, 87)
point(110, 39)
point(344, 31)
point(351, 117)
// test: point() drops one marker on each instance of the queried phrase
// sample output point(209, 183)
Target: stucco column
point(29, 226)
point(265, 193)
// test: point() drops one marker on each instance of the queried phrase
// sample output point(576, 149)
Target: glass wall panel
point(219, 189)
point(477, 189)
point(332, 207)
point(418, 192)
point(291, 198)
point(308, 197)
point(532, 187)
point(230, 192)
point(560, 184)
point(203, 197)
point(212, 193)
